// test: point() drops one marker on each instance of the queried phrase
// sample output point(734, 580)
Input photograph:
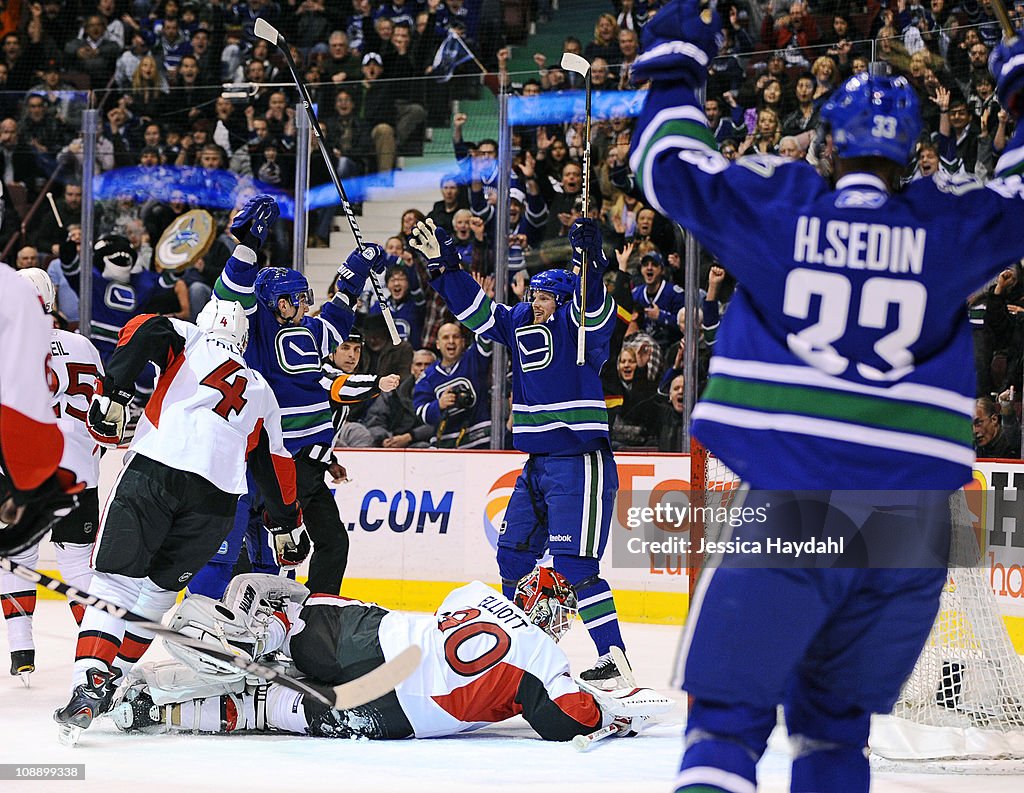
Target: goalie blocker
point(484, 661)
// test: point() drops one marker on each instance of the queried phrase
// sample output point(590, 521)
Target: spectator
point(629, 48)
point(377, 108)
point(805, 117)
point(658, 301)
point(62, 102)
point(766, 135)
point(342, 64)
point(453, 198)
point(670, 416)
point(826, 77)
point(209, 69)
point(310, 24)
point(27, 258)
point(629, 397)
point(128, 61)
point(842, 42)
point(92, 53)
point(45, 135)
point(1003, 312)
point(996, 429)
point(231, 131)
point(605, 44)
point(962, 131)
point(601, 77)
point(21, 64)
point(392, 420)
point(406, 310)
point(48, 235)
point(149, 94)
point(453, 394)
point(115, 31)
point(187, 90)
point(406, 63)
point(719, 119)
point(793, 32)
point(17, 163)
point(563, 203)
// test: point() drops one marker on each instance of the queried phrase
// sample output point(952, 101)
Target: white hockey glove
point(106, 420)
point(290, 545)
point(630, 708)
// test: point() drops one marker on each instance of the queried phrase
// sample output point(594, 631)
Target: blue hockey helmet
point(273, 283)
point(560, 283)
point(874, 117)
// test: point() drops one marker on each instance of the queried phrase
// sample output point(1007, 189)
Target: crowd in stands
point(164, 64)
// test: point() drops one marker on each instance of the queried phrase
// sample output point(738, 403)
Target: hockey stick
point(53, 206)
point(583, 743)
point(578, 64)
point(1009, 34)
point(264, 30)
point(356, 692)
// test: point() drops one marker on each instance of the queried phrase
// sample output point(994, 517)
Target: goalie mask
point(115, 256)
point(210, 621)
point(225, 320)
point(548, 600)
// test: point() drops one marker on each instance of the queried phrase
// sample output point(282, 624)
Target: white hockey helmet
point(211, 622)
point(225, 320)
point(41, 282)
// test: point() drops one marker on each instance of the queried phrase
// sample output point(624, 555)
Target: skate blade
point(25, 679)
point(68, 734)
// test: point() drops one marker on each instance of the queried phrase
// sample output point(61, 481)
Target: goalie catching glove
point(107, 417)
point(290, 546)
point(437, 247)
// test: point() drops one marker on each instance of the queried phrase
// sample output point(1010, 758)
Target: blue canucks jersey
point(844, 360)
point(289, 356)
point(458, 427)
point(557, 406)
point(669, 298)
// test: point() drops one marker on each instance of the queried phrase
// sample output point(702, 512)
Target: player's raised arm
point(675, 157)
point(250, 227)
point(467, 301)
point(585, 238)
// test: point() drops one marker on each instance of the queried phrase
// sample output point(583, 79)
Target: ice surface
point(506, 757)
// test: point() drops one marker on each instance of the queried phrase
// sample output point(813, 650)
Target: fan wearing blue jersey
point(563, 500)
point(287, 348)
point(845, 360)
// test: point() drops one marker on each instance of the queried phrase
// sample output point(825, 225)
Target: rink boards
point(422, 520)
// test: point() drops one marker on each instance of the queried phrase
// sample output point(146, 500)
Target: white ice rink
point(503, 758)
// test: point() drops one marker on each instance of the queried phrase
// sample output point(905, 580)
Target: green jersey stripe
point(305, 420)
point(851, 408)
point(567, 416)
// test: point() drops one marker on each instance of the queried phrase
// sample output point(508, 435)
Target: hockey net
point(963, 704)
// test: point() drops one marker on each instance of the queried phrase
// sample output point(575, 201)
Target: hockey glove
point(107, 418)
point(353, 273)
point(1007, 64)
point(679, 43)
point(437, 247)
point(289, 545)
point(26, 515)
point(252, 225)
point(585, 236)
point(68, 251)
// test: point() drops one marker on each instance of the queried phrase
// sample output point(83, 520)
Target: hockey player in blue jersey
point(844, 361)
point(563, 500)
point(454, 393)
point(287, 348)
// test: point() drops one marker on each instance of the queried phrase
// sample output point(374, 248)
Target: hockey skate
point(612, 671)
point(23, 663)
point(88, 701)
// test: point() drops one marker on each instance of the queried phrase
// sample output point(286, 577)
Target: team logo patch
point(533, 343)
point(120, 297)
point(184, 577)
point(187, 239)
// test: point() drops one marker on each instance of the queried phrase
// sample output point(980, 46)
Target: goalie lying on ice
point(485, 660)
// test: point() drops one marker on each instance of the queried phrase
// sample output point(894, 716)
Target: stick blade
point(379, 682)
point(575, 63)
point(264, 30)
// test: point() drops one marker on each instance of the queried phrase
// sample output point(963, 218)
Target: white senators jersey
point(207, 410)
point(30, 441)
point(484, 662)
point(75, 363)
